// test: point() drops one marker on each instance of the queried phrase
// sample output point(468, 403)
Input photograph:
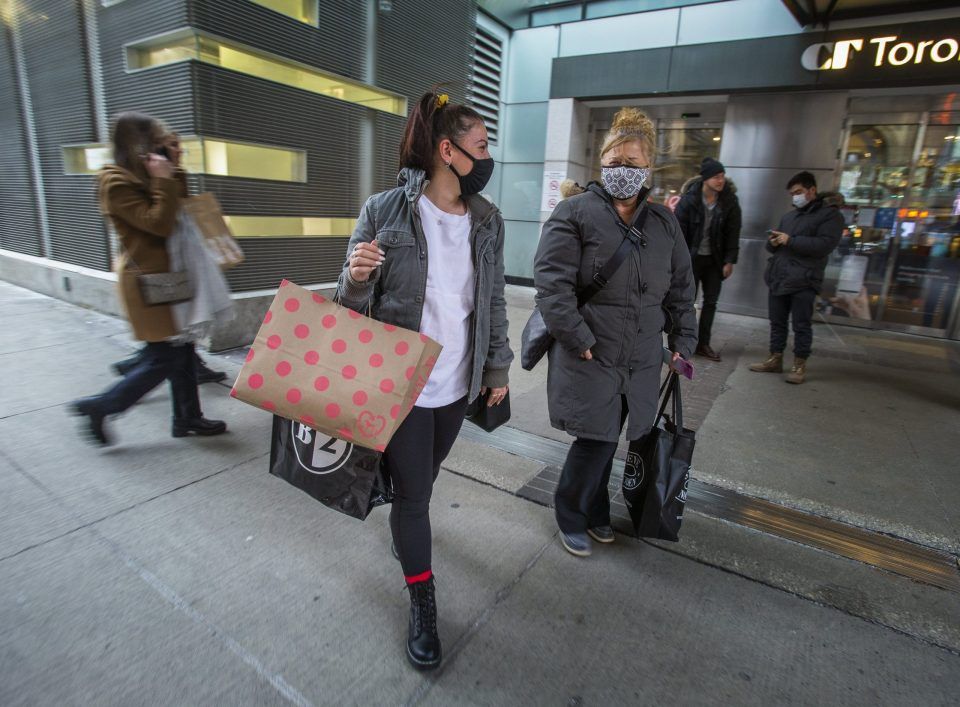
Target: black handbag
point(657, 470)
point(342, 476)
point(489, 417)
point(536, 340)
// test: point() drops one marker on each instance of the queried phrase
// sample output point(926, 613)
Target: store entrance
point(898, 266)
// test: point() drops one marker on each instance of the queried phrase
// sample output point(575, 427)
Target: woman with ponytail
point(428, 256)
point(606, 361)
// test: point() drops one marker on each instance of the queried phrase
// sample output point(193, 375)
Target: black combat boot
point(423, 642)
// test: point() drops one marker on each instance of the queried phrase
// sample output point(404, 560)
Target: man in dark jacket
point(710, 218)
point(807, 235)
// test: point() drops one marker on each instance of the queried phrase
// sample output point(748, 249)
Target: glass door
point(898, 265)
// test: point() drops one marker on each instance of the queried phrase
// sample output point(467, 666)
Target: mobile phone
point(162, 151)
point(770, 232)
point(683, 366)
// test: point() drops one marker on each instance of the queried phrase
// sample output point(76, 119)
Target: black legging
point(413, 459)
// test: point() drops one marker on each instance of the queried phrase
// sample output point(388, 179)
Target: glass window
point(555, 15)
point(876, 164)
point(303, 10)
point(606, 8)
point(289, 226)
point(206, 156)
point(520, 191)
point(179, 47)
point(86, 159)
point(900, 263)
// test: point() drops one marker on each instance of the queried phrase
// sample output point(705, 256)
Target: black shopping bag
point(657, 470)
point(489, 417)
point(343, 476)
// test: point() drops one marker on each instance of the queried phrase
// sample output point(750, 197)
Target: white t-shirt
point(448, 305)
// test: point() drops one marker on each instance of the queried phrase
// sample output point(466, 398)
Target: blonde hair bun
point(632, 120)
point(631, 124)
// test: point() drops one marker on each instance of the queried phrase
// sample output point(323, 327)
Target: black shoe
point(602, 534)
point(576, 543)
point(707, 352)
point(93, 430)
point(423, 642)
point(208, 375)
point(199, 426)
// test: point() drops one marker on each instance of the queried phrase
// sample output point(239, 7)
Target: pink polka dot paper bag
point(334, 369)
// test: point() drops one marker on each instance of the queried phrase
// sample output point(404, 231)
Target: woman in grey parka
point(607, 358)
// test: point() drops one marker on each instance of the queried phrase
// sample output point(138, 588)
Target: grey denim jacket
point(396, 290)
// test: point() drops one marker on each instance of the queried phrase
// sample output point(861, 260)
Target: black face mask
point(476, 179)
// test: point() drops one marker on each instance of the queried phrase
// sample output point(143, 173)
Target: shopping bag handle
point(672, 387)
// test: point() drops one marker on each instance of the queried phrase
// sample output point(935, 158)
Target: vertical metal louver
point(487, 63)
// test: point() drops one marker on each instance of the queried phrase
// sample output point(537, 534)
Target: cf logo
point(830, 55)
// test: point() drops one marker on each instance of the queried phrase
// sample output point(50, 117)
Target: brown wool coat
point(144, 215)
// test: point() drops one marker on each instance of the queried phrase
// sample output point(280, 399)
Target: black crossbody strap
point(633, 238)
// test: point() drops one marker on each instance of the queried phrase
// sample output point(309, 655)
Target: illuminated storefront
point(873, 112)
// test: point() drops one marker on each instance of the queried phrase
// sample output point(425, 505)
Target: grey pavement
point(165, 571)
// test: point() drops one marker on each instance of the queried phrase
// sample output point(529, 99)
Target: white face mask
point(800, 200)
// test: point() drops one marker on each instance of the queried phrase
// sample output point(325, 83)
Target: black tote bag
point(657, 470)
point(341, 475)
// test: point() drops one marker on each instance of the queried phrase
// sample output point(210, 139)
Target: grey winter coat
point(815, 230)
point(622, 325)
point(395, 290)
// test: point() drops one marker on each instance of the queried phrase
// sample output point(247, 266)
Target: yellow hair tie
point(442, 100)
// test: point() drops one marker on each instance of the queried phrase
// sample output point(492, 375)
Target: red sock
point(422, 577)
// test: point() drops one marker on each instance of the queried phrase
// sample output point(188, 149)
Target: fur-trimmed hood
point(729, 189)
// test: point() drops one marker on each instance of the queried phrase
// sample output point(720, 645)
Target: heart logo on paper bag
point(371, 425)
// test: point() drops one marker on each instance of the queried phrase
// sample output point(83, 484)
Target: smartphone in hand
point(683, 366)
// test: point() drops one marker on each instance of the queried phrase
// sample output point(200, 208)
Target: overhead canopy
point(516, 13)
point(819, 12)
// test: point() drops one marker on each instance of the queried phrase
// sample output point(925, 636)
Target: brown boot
point(774, 364)
point(798, 371)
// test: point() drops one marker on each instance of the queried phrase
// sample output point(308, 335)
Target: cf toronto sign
point(885, 51)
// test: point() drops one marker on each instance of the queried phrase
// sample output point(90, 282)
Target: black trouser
point(797, 306)
point(413, 459)
point(709, 279)
point(128, 364)
point(582, 500)
point(159, 361)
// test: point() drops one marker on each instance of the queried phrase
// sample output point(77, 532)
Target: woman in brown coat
point(141, 197)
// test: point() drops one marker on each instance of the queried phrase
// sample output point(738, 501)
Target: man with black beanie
point(710, 218)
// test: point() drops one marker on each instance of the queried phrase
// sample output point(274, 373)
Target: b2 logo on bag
point(318, 453)
point(633, 471)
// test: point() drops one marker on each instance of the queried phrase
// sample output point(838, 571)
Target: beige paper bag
point(333, 369)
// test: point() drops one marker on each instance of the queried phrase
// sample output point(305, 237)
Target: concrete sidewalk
point(870, 439)
point(165, 571)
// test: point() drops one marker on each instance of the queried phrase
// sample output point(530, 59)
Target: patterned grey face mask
point(623, 182)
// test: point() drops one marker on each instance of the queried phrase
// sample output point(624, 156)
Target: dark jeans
point(413, 459)
point(128, 364)
point(159, 361)
point(709, 278)
point(798, 307)
point(582, 500)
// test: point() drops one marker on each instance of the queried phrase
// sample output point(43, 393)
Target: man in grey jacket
point(794, 274)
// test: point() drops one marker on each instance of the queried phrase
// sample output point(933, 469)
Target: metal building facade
point(65, 71)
